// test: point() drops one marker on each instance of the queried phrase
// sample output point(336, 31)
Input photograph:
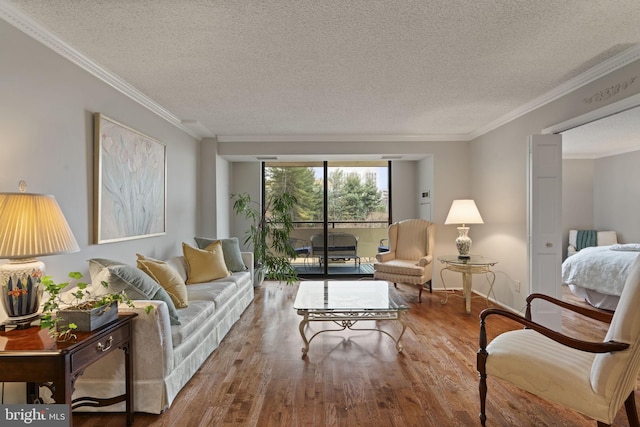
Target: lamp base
point(463, 243)
point(23, 322)
point(21, 290)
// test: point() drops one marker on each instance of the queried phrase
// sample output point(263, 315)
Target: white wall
point(617, 195)
point(223, 201)
point(207, 188)
point(246, 177)
point(404, 190)
point(425, 185)
point(46, 131)
point(498, 181)
point(46, 139)
point(577, 197)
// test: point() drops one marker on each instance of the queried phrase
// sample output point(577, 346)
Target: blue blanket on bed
point(586, 239)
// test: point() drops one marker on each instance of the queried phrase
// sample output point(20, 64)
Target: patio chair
point(302, 248)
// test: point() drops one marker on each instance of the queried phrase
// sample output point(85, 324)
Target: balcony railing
point(368, 234)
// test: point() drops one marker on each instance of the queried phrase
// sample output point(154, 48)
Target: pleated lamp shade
point(31, 225)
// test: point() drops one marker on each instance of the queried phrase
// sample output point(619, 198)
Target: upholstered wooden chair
point(409, 259)
point(593, 378)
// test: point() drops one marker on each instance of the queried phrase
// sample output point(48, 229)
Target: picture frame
point(130, 183)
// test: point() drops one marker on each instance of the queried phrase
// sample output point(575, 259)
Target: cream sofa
point(166, 356)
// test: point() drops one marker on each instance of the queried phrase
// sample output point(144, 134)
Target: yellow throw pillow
point(167, 277)
point(204, 265)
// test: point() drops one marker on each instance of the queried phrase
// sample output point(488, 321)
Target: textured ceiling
point(342, 67)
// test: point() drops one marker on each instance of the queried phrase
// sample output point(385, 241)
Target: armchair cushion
point(400, 266)
point(514, 355)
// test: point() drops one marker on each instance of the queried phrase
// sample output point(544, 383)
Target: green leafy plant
point(269, 233)
point(81, 299)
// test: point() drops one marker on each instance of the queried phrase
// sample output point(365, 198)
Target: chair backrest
point(412, 239)
point(614, 375)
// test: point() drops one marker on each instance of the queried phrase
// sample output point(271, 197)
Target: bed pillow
point(167, 277)
point(133, 281)
point(204, 265)
point(230, 251)
point(631, 247)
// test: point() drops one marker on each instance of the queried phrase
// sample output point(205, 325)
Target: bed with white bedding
point(598, 273)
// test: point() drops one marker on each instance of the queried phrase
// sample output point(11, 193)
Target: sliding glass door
point(342, 213)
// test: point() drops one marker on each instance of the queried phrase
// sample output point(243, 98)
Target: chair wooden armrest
point(601, 315)
point(590, 346)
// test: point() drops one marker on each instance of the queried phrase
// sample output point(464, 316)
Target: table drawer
point(98, 347)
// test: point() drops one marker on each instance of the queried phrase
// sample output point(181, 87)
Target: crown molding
point(24, 23)
point(591, 156)
point(607, 110)
point(342, 138)
point(614, 63)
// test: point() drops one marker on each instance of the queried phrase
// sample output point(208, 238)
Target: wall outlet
point(516, 286)
point(425, 195)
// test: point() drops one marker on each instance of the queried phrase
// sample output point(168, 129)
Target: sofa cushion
point(230, 251)
point(167, 277)
point(133, 281)
point(204, 265)
point(192, 318)
point(218, 292)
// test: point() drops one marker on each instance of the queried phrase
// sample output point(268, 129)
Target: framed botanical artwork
point(130, 183)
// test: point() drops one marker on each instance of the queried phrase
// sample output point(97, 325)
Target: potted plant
point(269, 235)
point(84, 311)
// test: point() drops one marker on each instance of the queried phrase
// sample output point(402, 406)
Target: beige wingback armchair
point(593, 378)
point(410, 256)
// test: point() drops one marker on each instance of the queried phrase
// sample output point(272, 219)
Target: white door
point(544, 225)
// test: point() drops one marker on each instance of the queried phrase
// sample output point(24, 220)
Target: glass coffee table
point(347, 302)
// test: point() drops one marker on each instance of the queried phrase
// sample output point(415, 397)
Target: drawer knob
point(102, 347)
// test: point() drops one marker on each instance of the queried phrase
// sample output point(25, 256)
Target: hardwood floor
point(257, 376)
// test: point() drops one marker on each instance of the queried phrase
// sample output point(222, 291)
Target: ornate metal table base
point(347, 319)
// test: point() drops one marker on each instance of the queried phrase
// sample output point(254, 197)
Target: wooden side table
point(475, 264)
point(31, 356)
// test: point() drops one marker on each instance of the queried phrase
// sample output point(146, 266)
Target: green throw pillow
point(137, 284)
point(230, 251)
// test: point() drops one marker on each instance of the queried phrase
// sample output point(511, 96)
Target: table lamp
point(31, 225)
point(463, 212)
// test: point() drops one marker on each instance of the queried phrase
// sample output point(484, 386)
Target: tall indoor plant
point(269, 234)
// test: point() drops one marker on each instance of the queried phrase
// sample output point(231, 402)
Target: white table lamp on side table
point(463, 212)
point(31, 225)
